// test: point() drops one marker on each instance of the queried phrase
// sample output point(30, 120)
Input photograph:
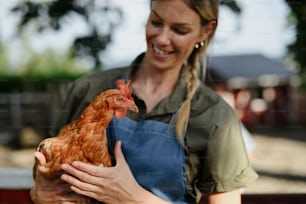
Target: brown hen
point(85, 139)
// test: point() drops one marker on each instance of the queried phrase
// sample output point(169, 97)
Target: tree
point(298, 47)
point(232, 4)
point(100, 16)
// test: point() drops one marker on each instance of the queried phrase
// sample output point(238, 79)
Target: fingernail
point(64, 177)
point(64, 166)
point(75, 163)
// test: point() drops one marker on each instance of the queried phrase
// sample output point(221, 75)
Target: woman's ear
point(208, 30)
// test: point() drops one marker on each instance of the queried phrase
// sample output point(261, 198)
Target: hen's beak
point(133, 107)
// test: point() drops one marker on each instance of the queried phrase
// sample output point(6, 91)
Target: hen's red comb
point(124, 88)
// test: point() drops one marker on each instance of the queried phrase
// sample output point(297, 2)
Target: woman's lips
point(160, 54)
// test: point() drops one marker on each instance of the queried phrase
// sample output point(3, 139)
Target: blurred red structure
point(15, 196)
point(8, 196)
point(263, 89)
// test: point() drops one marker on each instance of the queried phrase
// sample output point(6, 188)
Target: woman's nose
point(164, 37)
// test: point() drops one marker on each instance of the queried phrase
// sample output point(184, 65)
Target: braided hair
point(208, 11)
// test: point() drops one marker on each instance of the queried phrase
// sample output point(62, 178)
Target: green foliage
point(101, 18)
point(4, 62)
point(298, 47)
point(50, 65)
point(40, 70)
point(232, 4)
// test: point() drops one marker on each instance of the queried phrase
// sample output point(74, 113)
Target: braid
point(208, 11)
point(192, 80)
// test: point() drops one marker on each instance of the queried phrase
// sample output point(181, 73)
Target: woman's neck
point(153, 85)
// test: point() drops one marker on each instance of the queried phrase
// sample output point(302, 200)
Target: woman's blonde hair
point(208, 11)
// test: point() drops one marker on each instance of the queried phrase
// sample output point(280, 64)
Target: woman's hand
point(54, 191)
point(224, 197)
point(107, 184)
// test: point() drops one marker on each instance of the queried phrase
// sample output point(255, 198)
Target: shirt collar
point(168, 105)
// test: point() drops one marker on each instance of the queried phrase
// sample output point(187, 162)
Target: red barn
point(262, 88)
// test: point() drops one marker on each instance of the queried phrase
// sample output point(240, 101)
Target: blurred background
point(257, 62)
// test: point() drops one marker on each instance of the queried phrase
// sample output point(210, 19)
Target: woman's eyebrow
point(156, 14)
point(181, 23)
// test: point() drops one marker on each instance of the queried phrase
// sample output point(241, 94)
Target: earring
point(198, 45)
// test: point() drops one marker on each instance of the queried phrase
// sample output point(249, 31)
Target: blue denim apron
point(155, 157)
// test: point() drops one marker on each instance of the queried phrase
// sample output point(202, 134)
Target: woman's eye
point(180, 31)
point(156, 23)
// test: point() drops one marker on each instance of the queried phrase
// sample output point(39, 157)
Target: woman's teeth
point(159, 51)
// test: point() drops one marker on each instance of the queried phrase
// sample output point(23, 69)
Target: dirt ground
point(279, 158)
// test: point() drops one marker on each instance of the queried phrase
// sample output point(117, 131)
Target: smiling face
point(172, 30)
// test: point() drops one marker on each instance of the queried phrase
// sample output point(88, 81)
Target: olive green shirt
point(216, 158)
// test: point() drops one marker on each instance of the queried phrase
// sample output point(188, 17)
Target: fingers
point(118, 153)
point(77, 168)
point(84, 192)
point(40, 157)
point(81, 166)
point(77, 183)
point(84, 172)
point(105, 184)
point(119, 156)
point(93, 170)
point(84, 184)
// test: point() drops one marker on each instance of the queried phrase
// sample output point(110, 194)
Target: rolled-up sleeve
point(216, 160)
point(228, 167)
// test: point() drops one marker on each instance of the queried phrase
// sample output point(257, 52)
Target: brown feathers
point(85, 139)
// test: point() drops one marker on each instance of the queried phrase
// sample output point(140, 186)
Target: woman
point(184, 143)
